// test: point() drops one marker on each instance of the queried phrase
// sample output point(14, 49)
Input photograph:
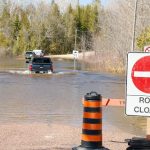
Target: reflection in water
point(57, 97)
point(8, 62)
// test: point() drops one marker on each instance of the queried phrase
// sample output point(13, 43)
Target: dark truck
point(29, 55)
point(41, 65)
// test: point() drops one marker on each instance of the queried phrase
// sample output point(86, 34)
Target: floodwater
point(56, 98)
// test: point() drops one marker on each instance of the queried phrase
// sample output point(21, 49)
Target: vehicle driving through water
point(41, 65)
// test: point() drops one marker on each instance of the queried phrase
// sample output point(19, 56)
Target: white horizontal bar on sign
point(144, 74)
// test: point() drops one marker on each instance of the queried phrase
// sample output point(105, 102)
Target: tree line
point(48, 28)
point(108, 31)
point(118, 22)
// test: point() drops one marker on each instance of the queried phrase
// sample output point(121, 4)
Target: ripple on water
point(57, 97)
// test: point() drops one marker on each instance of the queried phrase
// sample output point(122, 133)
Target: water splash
point(27, 72)
point(19, 72)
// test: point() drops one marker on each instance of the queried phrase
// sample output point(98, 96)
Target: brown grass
point(105, 61)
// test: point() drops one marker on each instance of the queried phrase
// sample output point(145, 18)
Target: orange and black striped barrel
point(92, 121)
point(91, 138)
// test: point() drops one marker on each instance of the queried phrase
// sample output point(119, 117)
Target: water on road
point(56, 98)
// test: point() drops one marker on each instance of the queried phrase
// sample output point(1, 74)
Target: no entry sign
point(141, 74)
point(138, 84)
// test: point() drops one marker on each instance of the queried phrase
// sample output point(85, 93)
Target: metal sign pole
point(74, 63)
point(148, 129)
point(75, 56)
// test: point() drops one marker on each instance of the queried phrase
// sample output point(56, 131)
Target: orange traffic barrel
point(91, 138)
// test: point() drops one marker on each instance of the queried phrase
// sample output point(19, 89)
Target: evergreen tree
point(46, 27)
point(144, 38)
point(16, 27)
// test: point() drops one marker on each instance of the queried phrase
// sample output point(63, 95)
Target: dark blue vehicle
point(41, 65)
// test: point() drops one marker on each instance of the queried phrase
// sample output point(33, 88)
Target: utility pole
point(75, 49)
point(134, 26)
point(75, 42)
point(78, 3)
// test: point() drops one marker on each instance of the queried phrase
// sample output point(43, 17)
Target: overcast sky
point(83, 2)
point(104, 2)
point(62, 3)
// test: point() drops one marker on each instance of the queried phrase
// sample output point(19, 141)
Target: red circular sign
point(141, 74)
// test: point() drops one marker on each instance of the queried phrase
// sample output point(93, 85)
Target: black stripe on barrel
point(92, 121)
point(91, 109)
point(91, 132)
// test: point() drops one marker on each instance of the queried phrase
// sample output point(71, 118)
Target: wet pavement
point(56, 98)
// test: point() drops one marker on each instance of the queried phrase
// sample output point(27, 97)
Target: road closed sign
point(138, 84)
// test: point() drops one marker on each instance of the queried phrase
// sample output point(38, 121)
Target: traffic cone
point(91, 138)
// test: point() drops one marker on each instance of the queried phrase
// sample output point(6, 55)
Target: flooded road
point(57, 98)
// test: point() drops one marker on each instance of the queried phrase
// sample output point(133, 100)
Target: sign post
point(75, 56)
point(148, 129)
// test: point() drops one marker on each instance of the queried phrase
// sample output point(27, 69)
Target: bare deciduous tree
point(115, 38)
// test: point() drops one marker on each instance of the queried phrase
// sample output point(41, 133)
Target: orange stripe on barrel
point(91, 138)
point(92, 115)
point(92, 104)
point(92, 126)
